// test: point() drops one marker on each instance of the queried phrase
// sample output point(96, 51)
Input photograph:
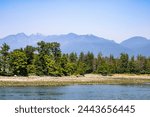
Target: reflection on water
point(81, 92)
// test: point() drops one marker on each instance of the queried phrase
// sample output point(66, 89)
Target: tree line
point(47, 59)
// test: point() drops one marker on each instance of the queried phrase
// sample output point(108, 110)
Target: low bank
point(89, 79)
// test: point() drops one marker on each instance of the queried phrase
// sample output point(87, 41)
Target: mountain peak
point(21, 34)
point(135, 39)
point(135, 42)
point(72, 34)
point(36, 34)
point(138, 38)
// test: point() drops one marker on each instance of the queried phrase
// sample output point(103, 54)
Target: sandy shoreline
point(87, 77)
point(67, 80)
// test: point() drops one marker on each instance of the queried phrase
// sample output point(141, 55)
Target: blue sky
point(112, 19)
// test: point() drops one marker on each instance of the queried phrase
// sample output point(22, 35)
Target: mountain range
point(83, 43)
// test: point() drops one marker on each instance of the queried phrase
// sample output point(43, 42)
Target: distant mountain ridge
point(83, 43)
point(135, 42)
point(140, 45)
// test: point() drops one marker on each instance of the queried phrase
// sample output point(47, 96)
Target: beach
point(70, 80)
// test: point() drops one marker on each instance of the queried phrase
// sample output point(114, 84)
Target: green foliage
point(4, 60)
point(73, 57)
point(88, 60)
point(132, 65)
point(123, 63)
point(47, 59)
point(29, 51)
point(103, 68)
point(81, 68)
point(51, 66)
point(18, 63)
point(48, 55)
point(31, 69)
point(141, 63)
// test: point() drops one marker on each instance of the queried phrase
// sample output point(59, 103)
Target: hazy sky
point(111, 19)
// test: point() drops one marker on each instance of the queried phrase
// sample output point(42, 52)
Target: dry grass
point(69, 80)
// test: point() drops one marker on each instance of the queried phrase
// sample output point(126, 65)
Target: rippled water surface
point(81, 92)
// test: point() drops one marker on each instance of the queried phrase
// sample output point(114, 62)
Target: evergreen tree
point(124, 59)
point(4, 59)
point(132, 65)
point(89, 60)
point(103, 68)
point(81, 68)
point(73, 57)
point(141, 64)
point(148, 65)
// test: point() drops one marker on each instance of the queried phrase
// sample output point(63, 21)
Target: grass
point(121, 81)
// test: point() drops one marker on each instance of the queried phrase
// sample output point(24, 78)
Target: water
point(74, 92)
